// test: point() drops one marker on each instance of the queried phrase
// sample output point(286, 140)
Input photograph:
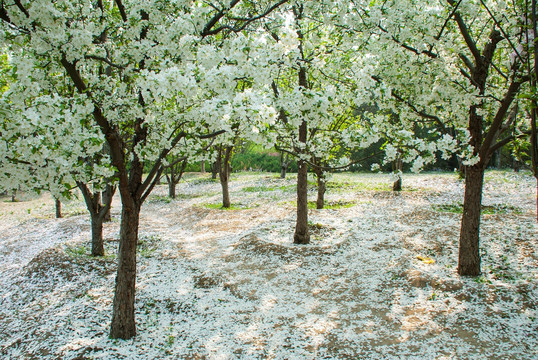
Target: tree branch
point(99, 58)
point(485, 148)
point(208, 29)
point(466, 36)
point(121, 8)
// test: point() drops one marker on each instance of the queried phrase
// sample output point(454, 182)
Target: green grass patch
point(500, 209)
point(147, 245)
point(262, 188)
point(359, 186)
point(332, 205)
point(77, 251)
point(202, 180)
point(451, 208)
point(160, 199)
point(486, 209)
point(218, 206)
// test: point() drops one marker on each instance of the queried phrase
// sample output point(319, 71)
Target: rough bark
point(202, 167)
point(123, 318)
point(98, 212)
point(98, 244)
point(284, 163)
point(58, 207)
point(107, 197)
point(225, 154)
point(172, 189)
point(214, 170)
point(322, 187)
point(302, 235)
point(174, 173)
point(397, 167)
point(469, 248)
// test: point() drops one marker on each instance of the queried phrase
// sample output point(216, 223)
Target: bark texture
point(322, 187)
point(98, 244)
point(107, 196)
point(58, 207)
point(284, 163)
point(98, 212)
point(174, 173)
point(225, 153)
point(469, 247)
point(302, 235)
point(123, 318)
point(397, 167)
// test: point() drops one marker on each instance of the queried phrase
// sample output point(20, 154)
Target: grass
point(161, 199)
point(262, 188)
point(358, 186)
point(202, 180)
point(332, 205)
point(486, 209)
point(77, 251)
point(218, 206)
point(147, 245)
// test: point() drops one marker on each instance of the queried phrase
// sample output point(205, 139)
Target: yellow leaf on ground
point(425, 259)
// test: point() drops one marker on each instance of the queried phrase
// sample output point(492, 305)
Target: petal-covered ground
point(377, 281)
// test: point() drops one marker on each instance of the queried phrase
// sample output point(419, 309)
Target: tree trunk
point(397, 167)
point(397, 185)
point(172, 189)
point(98, 245)
point(469, 250)
point(284, 162)
point(225, 192)
point(322, 186)
point(14, 196)
point(98, 213)
point(123, 318)
point(202, 167)
point(224, 174)
point(301, 235)
point(214, 170)
point(107, 197)
point(58, 206)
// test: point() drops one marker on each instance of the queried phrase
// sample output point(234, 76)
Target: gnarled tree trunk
point(214, 169)
point(322, 187)
point(302, 235)
point(58, 207)
point(98, 244)
point(284, 163)
point(469, 248)
point(123, 320)
point(107, 197)
point(174, 173)
point(397, 167)
point(223, 160)
point(172, 189)
point(98, 213)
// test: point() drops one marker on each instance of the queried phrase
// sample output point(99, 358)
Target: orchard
point(103, 100)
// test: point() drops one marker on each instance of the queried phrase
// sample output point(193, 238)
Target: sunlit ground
point(377, 281)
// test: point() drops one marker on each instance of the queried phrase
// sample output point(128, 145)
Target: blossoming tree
point(132, 66)
point(453, 65)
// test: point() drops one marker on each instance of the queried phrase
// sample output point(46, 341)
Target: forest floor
point(378, 280)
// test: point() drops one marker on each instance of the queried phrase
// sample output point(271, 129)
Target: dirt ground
point(377, 281)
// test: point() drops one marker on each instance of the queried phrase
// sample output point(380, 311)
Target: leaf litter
point(377, 281)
